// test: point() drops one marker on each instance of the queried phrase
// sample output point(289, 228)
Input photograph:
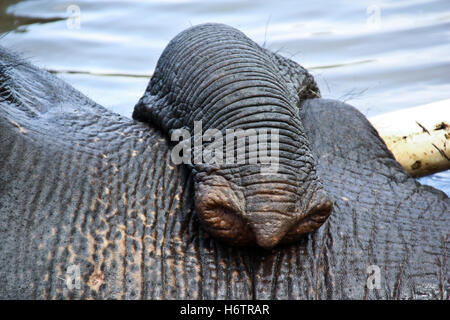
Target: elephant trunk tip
point(265, 220)
point(274, 228)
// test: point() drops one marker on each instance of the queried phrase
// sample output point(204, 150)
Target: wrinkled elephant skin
point(89, 192)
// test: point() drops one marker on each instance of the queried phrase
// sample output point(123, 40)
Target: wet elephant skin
point(82, 186)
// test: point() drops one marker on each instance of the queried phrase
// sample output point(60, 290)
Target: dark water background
point(379, 56)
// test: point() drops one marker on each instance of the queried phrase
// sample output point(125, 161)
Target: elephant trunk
point(255, 177)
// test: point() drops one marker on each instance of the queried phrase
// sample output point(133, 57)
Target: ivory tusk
point(419, 137)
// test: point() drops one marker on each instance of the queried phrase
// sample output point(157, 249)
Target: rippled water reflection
point(377, 55)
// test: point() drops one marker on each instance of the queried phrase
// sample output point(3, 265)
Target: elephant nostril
point(224, 223)
point(320, 207)
point(219, 216)
point(321, 211)
point(220, 210)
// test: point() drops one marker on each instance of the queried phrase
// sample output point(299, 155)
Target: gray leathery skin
point(213, 73)
point(80, 185)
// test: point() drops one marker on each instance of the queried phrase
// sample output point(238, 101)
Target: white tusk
point(419, 137)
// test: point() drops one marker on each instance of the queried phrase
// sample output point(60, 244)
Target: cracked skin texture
point(80, 185)
point(214, 74)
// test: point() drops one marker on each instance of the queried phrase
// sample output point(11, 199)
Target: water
point(376, 55)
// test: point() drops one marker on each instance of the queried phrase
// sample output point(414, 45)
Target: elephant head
point(87, 192)
point(215, 76)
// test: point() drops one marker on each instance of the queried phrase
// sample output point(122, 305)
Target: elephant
point(92, 205)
